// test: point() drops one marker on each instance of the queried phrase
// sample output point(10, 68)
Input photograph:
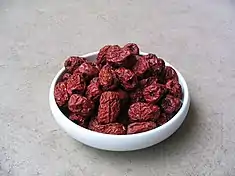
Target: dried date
point(78, 119)
point(93, 90)
point(73, 62)
point(174, 88)
point(154, 92)
point(140, 112)
point(76, 84)
point(60, 94)
point(148, 81)
point(66, 76)
point(156, 64)
point(88, 70)
point(134, 49)
point(127, 78)
point(109, 107)
point(141, 67)
point(107, 78)
point(164, 118)
point(101, 57)
point(139, 127)
point(80, 105)
point(170, 73)
point(171, 104)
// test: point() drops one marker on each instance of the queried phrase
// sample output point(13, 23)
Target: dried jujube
point(107, 78)
point(109, 107)
point(127, 78)
point(154, 92)
point(73, 62)
point(139, 127)
point(80, 105)
point(60, 93)
point(76, 84)
point(171, 104)
point(142, 112)
point(93, 90)
point(122, 92)
point(174, 88)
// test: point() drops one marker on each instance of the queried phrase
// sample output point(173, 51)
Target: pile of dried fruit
point(122, 92)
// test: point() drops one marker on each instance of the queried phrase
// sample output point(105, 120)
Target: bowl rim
point(88, 132)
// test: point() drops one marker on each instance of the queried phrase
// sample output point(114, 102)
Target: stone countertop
point(197, 37)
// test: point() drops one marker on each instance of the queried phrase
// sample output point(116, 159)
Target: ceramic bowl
point(119, 142)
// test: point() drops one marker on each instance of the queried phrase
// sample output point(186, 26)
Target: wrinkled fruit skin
point(76, 84)
point(88, 70)
point(107, 78)
point(171, 104)
point(116, 56)
point(174, 88)
point(156, 64)
point(101, 57)
point(133, 48)
point(80, 105)
point(154, 92)
point(73, 62)
point(141, 112)
point(66, 76)
point(139, 127)
point(109, 107)
point(93, 90)
point(78, 119)
point(170, 74)
point(141, 66)
point(127, 78)
point(111, 128)
point(60, 93)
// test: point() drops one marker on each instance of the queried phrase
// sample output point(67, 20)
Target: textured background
point(197, 37)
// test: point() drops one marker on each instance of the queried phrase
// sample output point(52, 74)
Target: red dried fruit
point(88, 70)
point(78, 119)
point(174, 88)
point(163, 119)
point(156, 64)
point(134, 49)
point(76, 84)
point(137, 96)
point(111, 128)
point(73, 62)
point(154, 92)
point(171, 104)
point(139, 127)
point(170, 73)
point(141, 67)
point(107, 78)
point(109, 107)
point(117, 56)
point(80, 105)
point(60, 94)
point(127, 78)
point(101, 57)
point(66, 76)
point(93, 90)
point(148, 81)
point(140, 112)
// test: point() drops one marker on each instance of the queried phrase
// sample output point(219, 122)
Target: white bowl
point(119, 142)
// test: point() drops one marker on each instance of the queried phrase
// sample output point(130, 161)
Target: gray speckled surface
point(197, 37)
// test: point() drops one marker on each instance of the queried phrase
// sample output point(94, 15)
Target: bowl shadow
point(176, 143)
